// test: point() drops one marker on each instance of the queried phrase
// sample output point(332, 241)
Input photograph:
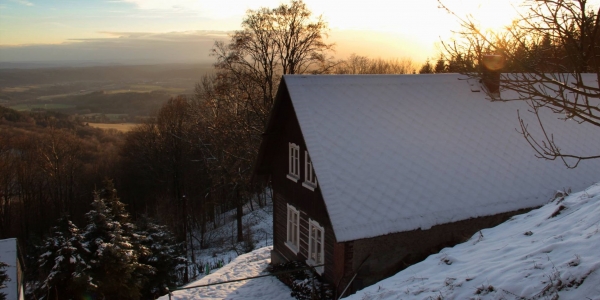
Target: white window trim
point(293, 162)
point(289, 242)
point(310, 178)
point(314, 225)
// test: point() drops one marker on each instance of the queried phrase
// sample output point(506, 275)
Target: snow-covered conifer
point(110, 238)
point(165, 255)
point(65, 273)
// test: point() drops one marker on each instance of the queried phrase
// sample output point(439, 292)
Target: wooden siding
point(309, 203)
point(280, 236)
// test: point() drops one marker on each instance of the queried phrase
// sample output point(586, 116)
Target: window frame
point(313, 227)
point(293, 162)
point(292, 226)
point(310, 178)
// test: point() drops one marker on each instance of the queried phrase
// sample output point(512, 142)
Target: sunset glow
point(377, 28)
point(490, 15)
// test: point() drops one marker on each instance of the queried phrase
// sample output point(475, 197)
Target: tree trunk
point(240, 213)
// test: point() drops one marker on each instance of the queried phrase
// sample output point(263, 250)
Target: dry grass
point(18, 89)
point(123, 127)
point(23, 88)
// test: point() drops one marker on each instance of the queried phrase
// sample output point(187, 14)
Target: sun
point(491, 15)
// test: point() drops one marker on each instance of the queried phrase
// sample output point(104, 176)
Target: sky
point(184, 30)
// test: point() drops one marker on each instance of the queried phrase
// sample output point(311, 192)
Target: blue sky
point(126, 29)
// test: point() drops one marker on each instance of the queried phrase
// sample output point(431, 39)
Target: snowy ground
point(549, 253)
point(222, 240)
point(246, 265)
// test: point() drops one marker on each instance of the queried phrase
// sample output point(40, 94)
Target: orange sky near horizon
point(375, 28)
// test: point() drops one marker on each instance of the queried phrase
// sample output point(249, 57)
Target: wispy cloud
point(219, 9)
point(23, 2)
point(176, 36)
point(165, 5)
point(123, 47)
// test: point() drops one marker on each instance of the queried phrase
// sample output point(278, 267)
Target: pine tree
point(3, 279)
point(110, 239)
point(440, 66)
point(426, 68)
point(62, 265)
point(165, 255)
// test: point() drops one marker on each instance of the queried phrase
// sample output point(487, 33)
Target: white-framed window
point(293, 229)
point(310, 180)
point(316, 245)
point(294, 162)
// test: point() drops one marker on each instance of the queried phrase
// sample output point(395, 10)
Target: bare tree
point(547, 50)
point(232, 106)
point(272, 42)
point(60, 155)
point(228, 139)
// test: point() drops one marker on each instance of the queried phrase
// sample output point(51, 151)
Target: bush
point(305, 284)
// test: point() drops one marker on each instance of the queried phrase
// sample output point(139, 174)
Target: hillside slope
point(549, 253)
point(246, 265)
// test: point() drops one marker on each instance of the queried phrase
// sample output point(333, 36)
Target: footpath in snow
point(549, 253)
point(246, 265)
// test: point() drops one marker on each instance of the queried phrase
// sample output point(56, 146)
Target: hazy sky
point(184, 30)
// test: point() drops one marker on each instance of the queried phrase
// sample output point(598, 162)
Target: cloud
point(195, 46)
point(123, 47)
point(165, 5)
point(213, 9)
point(23, 2)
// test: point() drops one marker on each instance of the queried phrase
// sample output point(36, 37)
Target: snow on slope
point(549, 253)
point(246, 265)
point(532, 256)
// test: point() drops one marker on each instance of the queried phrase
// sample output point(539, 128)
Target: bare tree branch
point(547, 50)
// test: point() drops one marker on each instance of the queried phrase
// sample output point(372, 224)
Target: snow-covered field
point(549, 253)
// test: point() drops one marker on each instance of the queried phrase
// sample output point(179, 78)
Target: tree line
point(49, 166)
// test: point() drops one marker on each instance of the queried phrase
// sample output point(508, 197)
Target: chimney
point(490, 72)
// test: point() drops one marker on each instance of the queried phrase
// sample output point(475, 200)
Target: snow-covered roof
point(394, 153)
point(8, 255)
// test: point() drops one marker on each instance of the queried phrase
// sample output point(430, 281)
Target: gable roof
point(394, 153)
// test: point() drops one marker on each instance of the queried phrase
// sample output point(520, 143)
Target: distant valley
point(102, 94)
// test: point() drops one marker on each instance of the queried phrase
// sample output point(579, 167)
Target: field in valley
point(123, 127)
point(97, 94)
